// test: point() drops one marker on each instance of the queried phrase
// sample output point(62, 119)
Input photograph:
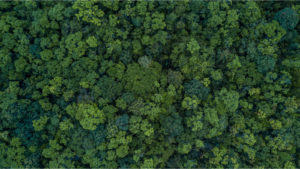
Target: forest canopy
point(149, 84)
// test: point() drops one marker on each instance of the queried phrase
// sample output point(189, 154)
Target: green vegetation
point(149, 84)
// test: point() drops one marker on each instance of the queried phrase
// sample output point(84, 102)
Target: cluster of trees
point(149, 84)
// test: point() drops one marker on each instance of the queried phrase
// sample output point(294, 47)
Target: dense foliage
point(149, 84)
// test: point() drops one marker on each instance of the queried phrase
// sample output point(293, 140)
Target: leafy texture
point(149, 84)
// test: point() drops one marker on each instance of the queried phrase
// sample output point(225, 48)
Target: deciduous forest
point(149, 84)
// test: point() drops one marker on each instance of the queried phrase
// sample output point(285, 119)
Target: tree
point(175, 78)
point(92, 41)
point(122, 122)
point(122, 151)
point(184, 148)
point(193, 46)
point(196, 88)
point(287, 18)
point(141, 81)
point(172, 125)
point(109, 88)
point(228, 100)
point(88, 115)
point(40, 123)
point(12, 155)
point(89, 12)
